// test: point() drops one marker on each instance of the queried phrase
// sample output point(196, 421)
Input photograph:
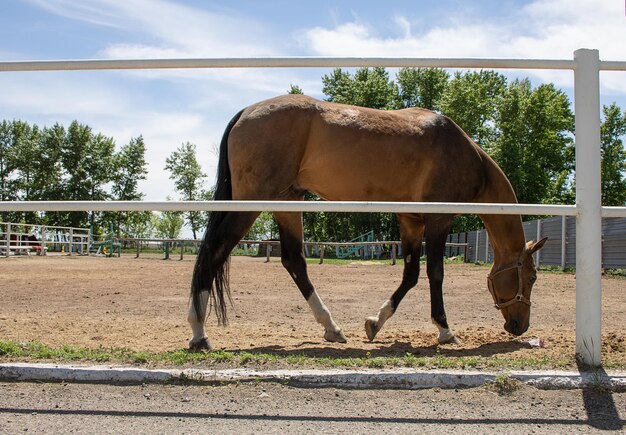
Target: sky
point(170, 107)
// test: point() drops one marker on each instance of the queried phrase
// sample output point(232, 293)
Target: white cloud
point(541, 29)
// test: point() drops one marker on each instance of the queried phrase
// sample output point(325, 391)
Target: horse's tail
point(204, 275)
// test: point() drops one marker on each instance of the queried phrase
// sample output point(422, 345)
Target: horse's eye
point(533, 279)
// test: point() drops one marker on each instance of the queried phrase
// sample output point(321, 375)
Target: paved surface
point(264, 407)
point(104, 399)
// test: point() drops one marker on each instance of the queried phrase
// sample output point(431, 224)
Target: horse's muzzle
point(514, 327)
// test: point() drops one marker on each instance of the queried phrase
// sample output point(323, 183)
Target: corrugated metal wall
point(613, 242)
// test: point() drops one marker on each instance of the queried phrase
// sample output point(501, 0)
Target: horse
point(281, 148)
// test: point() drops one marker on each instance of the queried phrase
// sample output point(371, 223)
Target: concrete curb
point(408, 379)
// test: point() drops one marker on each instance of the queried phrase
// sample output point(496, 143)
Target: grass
point(35, 351)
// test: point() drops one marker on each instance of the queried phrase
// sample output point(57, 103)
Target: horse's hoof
point(335, 337)
point(449, 339)
point(371, 327)
point(202, 345)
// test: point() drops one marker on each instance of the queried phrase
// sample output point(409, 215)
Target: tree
point(470, 100)
point(87, 161)
point(533, 140)
point(612, 130)
point(8, 188)
point(367, 88)
point(168, 224)
point(130, 168)
point(295, 89)
point(188, 179)
point(421, 87)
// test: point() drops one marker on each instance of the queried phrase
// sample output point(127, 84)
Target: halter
point(519, 297)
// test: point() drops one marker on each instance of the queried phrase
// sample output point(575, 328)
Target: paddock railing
point(586, 65)
point(369, 250)
point(15, 238)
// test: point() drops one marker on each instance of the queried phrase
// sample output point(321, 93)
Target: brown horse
point(283, 147)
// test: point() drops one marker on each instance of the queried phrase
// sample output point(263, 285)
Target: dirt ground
point(142, 304)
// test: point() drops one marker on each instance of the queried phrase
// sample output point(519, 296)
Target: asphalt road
point(274, 408)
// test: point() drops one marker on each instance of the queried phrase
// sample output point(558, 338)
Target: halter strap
point(519, 297)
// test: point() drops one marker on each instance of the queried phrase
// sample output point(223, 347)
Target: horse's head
point(511, 286)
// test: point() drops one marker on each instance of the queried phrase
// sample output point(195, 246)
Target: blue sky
point(169, 107)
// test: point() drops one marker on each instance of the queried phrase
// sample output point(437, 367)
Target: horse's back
point(343, 152)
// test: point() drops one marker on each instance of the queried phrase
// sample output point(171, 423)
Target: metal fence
point(560, 249)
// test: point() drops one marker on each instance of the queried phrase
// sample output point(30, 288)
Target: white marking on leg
point(384, 313)
point(407, 259)
point(321, 313)
point(197, 325)
point(445, 334)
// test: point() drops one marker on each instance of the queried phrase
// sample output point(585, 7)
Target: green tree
point(533, 142)
point(295, 89)
point(87, 160)
point(168, 224)
point(612, 130)
point(8, 187)
point(369, 87)
point(130, 168)
point(470, 99)
point(188, 180)
point(421, 87)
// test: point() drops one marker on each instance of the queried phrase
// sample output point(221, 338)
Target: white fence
point(17, 238)
point(586, 65)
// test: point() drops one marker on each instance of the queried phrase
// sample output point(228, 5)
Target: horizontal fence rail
point(285, 62)
point(306, 206)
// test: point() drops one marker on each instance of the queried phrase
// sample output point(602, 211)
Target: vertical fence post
point(477, 242)
point(6, 254)
point(538, 253)
point(563, 241)
point(588, 206)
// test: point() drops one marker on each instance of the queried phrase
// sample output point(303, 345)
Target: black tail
point(204, 273)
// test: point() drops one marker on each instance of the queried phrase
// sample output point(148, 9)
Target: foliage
point(168, 224)
point(368, 88)
point(421, 87)
point(130, 167)
point(613, 156)
point(188, 178)
point(295, 89)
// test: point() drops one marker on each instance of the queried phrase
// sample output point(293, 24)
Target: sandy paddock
point(141, 304)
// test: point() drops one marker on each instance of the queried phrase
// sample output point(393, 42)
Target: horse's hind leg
point(292, 256)
point(228, 234)
point(411, 232)
point(437, 228)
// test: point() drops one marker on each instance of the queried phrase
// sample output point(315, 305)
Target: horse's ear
point(535, 246)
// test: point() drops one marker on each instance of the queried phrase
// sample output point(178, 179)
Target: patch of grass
point(615, 273)
point(35, 351)
point(504, 384)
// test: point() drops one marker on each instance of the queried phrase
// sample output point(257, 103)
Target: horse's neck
point(506, 235)
point(506, 232)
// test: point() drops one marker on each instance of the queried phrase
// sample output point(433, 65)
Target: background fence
point(560, 249)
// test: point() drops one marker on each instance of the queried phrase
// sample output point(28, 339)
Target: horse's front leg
point(411, 233)
point(292, 257)
point(436, 235)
